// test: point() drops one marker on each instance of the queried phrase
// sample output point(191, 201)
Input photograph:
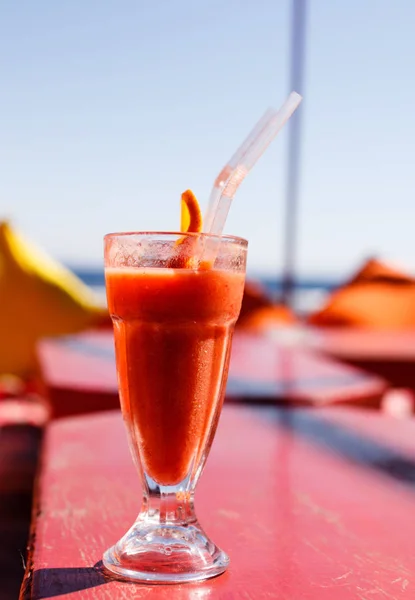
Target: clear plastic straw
point(237, 168)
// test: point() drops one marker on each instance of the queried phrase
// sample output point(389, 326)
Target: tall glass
point(173, 328)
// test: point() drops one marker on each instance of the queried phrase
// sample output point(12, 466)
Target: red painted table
point(80, 374)
point(310, 504)
point(389, 354)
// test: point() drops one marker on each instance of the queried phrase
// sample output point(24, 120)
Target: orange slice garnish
point(191, 216)
point(190, 222)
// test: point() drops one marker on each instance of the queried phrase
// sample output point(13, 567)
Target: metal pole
point(294, 143)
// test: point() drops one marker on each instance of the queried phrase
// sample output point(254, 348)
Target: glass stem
point(169, 505)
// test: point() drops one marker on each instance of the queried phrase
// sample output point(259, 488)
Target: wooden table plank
point(388, 354)
point(398, 434)
point(302, 513)
point(81, 377)
point(266, 368)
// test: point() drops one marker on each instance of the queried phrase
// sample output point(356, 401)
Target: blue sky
point(109, 110)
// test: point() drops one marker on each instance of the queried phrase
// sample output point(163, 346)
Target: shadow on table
point(57, 582)
point(51, 583)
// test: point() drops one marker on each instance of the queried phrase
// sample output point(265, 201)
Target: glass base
point(163, 553)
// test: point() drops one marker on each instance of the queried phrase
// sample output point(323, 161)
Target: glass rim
point(222, 238)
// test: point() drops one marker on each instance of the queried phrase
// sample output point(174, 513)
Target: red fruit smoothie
point(173, 330)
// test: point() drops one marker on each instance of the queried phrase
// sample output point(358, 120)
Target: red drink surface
point(172, 330)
